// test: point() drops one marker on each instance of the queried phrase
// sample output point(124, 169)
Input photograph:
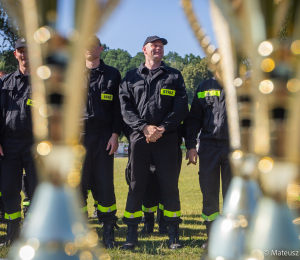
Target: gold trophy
point(56, 228)
point(263, 120)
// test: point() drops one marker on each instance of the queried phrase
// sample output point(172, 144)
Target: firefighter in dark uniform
point(152, 200)
point(16, 139)
point(208, 114)
point(153, 103)
point(102, 121)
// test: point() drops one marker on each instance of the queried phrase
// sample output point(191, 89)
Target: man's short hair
point(93, 39)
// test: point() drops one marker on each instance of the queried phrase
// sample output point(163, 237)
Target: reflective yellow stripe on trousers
point(172, 214)
point(211, 217)
point(137, 214)
point(13, 216)
point(153, 209)
point(107, 209)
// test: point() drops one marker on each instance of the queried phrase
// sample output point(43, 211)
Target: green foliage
point(193, 68)
point(9, 33)
point(119, 59)
point(8, 61)
point(193, 74)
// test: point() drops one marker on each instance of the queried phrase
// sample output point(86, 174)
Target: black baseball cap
point(21, 42)
point(155, 38)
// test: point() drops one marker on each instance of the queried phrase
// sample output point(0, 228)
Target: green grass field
point(192, 229)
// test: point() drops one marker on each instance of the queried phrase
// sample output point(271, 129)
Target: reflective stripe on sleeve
point(172, 214)
point(208, 93)
point(149, 210)
point(26, 203)
point(107, 209)
point(137, 214)
point(211, 217)
point(13, 216)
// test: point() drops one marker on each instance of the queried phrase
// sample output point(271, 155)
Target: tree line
point(194, 69)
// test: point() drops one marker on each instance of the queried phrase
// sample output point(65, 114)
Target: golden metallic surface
point(42, 35)
point(238, 82)
point(265, 164)
point(44, 148)
point(71, 249)
point(265, 48)
point(43, 72)
point(237, 154)
point(267, 65)
point(266, 86)
point(86, 255)
point(295, 47)
point(293, 85)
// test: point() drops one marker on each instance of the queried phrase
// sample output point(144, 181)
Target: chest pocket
point(138, 90)
point(107, 91)
point(168, 87)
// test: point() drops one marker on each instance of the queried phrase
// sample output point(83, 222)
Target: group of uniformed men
point(150, 106)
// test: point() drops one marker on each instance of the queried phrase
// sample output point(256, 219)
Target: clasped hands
point(153, 133)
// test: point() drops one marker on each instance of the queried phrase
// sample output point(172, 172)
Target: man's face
point(154, 50)
point(22, 56)
point(93, 52)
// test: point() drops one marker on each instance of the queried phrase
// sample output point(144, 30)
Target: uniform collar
point(100, 68)
point(143, 70)
point(18, 73)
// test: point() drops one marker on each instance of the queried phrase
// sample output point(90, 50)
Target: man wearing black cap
point(16, 139)
point(154, 103)
point(102, 121)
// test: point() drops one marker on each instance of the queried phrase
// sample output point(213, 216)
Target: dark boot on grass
point(131, 238)
point(208, 227)
point(174, 242)
point(162, 224)
point(13, 231)
point(108, 233)
point(148, 223)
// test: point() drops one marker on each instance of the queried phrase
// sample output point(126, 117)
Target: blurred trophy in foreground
point(263, 116)
point(56, 229)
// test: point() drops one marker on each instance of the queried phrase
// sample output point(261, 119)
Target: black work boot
point(174, 242)
point(148, 224)
point(108, 233)
point(208, 227)
point(131, 238)
point(95, 215)
point(13, 231)
point(162, 224)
